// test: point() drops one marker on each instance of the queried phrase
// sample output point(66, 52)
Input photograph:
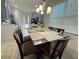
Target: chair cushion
point(28, 48)
point(27, 38)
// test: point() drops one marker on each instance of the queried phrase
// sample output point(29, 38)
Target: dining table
point(40, 37)
point(44, 36)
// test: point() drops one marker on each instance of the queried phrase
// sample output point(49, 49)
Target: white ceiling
point(24, 5)
point(29, 5)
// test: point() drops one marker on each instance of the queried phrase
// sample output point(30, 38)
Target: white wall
point(68, 19)
point(21, 17)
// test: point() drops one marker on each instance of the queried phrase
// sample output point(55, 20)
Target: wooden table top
point(42, 37)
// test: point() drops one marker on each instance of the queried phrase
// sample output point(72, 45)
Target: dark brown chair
point(25, 48)
point(51, 28)
point(58, 49)
point(22, 39)
point(61, 31)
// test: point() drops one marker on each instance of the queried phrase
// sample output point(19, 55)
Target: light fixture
point(44, 3)
point(48, 10)
point(37, 10)
point(41, 9)
point(42, 12)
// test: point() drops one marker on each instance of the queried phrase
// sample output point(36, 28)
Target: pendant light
point(37, 10)
point(41, 8)
point(42, 12)
point(49, 10)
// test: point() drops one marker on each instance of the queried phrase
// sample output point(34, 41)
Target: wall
point(3, 10)
point(22, 17)
point(19, 16)
point(68, 19)
point(71, 17)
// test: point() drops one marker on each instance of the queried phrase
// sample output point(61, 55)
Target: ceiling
point(28, 5)
point(24, 5)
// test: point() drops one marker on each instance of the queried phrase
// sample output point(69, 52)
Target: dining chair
point(19, 31)
point(57, 51)
point(26, 48)
point(59, 30)
point(51, 28)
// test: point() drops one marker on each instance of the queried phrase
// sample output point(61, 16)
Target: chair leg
point(22, 57)
point(60, 56)
point(53, 58)
point(37, 56)
point(42, 57)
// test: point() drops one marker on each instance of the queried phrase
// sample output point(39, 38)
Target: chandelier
point(41, 8)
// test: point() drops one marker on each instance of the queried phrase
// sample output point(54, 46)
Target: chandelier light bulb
point(42, 12)
point(49, 10)
point(37, 10)
point(41, 7)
